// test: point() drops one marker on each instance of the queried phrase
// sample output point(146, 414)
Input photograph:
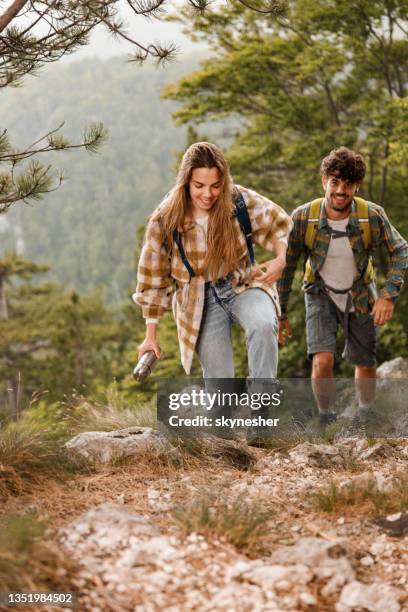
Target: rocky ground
point(153, 540)
point(222, 526)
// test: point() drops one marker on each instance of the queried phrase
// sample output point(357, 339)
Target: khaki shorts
point(322, 321)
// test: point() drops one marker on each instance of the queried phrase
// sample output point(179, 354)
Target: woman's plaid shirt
point(383, 235)
point(158, 272)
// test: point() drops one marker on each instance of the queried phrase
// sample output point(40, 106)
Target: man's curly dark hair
point(345, 164)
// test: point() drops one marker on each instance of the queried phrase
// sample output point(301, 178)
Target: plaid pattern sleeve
point(295, 249)
point(268, 220)
point(383, 233)
point(154, 287)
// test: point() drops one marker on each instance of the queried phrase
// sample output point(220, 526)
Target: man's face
point(338, 193)
point(205, 187)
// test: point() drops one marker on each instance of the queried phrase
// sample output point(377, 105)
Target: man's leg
point(321, 330)
point(365, 377)
point(323, 384)
point(360, 350)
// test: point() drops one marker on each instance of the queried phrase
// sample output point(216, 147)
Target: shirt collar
point(353, 218)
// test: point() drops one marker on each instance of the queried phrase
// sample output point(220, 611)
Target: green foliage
point(87, 227)
point(315, 76)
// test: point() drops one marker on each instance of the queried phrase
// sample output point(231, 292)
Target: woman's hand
point(149, 344)
point(271, 270)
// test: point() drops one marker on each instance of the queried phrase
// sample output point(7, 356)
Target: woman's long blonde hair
point(222, 239)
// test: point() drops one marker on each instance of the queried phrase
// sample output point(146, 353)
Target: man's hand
point(383, 311)
point(271, 270)
point(148, 344)
point(284, 330)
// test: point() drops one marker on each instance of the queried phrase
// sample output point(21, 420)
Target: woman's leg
point(255, 312)
point(214, 345)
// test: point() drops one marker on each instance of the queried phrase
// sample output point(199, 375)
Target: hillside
point(86, 229)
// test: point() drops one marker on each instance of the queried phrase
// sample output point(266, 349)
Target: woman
point(216, 284)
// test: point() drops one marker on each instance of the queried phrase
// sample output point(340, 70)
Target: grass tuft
point(29, 562)
point(334, 499)
point(239, 522)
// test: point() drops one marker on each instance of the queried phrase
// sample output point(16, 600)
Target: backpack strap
point(187, 265)
point(364, 221)
point(312, 222)
point(241, 213)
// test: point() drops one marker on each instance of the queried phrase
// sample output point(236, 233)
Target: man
point(337, 235)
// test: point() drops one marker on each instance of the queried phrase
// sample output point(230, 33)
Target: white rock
point(319, 455)
point(361, 482)
point(105, 446)
point(377, 450)
point(278, 576)
point(307, 599)
point(379, 546)
point(396, 368)
point(367, 561)
point(326, 559)
point(379, 597)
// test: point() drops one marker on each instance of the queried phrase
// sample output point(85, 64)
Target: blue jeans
point(255, 312)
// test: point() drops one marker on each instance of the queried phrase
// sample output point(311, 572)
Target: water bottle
point(145, 365)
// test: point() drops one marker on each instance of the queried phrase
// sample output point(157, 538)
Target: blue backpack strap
point(177, 240)
point(241, 212)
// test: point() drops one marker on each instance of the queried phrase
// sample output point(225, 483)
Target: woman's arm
point(154, 287)
point(150, 341)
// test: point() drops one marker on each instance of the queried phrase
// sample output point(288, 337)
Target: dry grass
point(239, 522)
point(114, 413)
point(229, 453)
point(27, 454)
point(366, 499)
point(30, 562)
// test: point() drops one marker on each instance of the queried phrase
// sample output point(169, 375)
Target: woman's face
point(205, 187)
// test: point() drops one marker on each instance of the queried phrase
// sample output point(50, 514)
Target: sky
point(145, 31)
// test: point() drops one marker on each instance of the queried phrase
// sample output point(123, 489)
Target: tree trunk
point(11, 12)
point(14, 387)
point(3, 301)
point(384, 176)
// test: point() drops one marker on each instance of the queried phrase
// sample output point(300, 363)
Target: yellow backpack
point(311, 231)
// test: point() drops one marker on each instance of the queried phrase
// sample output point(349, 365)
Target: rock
point(104, 446)
point(107, 528)
point(396, 368)
point(272, 576)
point(367, 561)
point(306, 599)
point(379, 449)
point(362, 482)
point(319, 455)
point(375, 482)
point(326, 559)
point(379, 597)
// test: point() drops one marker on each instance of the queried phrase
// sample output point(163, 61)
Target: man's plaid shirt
point(158, 272)
point(383, 234)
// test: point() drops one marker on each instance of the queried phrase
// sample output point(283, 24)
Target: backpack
point(311, 231)
point(241, 212)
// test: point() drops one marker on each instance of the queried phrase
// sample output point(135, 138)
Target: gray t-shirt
point(339, 268)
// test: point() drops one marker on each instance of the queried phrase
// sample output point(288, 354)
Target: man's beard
point(337, 209)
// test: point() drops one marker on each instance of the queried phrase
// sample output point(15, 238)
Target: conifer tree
point(37, 32)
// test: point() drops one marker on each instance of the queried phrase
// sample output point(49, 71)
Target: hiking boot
point(325, 418)
point(356, 428)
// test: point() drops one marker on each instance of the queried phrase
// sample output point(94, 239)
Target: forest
point(88, 149)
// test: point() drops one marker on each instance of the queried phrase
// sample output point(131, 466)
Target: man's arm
point(294, 251)
point(385, 234)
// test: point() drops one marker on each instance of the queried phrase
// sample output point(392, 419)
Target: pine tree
point(36, 32)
